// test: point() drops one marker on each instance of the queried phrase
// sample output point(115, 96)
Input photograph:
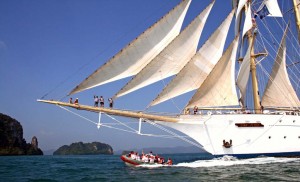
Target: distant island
point(81, 148)
point(12, 141)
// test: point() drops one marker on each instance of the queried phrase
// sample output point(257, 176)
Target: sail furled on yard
point(196, 70)
point(137, 54)
point(172, 58)
point(218, 89)
point(279, 91)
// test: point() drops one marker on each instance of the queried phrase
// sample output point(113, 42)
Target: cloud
point(3, 46)
point(46, 133)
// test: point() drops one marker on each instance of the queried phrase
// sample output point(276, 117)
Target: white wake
point(225, 161)
point(230, 161)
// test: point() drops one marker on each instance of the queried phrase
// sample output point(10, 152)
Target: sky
point(48, 47)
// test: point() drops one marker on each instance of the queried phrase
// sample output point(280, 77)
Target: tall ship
point(245, 96)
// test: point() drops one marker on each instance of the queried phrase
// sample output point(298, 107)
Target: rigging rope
point(292, 79)
point(173, 135)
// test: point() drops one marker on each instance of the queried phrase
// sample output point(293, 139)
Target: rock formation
point(81, 148)
point(12, 141)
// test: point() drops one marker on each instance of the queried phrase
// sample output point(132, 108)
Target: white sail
point(171, 60)
point(238, 15)
point(137, 54)
point(243, 75)
point(273, 8)
point(248, 22)
point(279, 91)
point(196, 70)
point(219, 87)
point(240, 7)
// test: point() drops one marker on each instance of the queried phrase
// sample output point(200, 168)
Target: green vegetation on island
point(12, 141)
point(81, 148)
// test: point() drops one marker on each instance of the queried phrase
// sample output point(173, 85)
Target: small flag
point(263, 12)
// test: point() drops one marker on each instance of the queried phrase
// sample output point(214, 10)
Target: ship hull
point(251, 135)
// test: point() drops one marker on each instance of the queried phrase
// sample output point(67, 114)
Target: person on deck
point(195, 110)
point(101, 100)
point(144, 158)
point(137, 156)
point(151, 160)
point(71, 101)
point(111, 102)
point(96, 100)
point(76, 101)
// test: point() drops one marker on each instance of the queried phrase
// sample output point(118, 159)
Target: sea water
point(187, 167)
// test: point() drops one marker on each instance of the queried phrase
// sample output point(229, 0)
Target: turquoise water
point(187, 167)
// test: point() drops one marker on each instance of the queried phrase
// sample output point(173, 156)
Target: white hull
point(280, 133)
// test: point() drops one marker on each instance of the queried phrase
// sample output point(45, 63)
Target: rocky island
point(12, 141)
point(81, 148)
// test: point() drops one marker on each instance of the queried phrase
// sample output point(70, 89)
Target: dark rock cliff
point(12, 141)
point(81, 148)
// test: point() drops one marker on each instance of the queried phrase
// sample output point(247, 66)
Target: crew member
point(169, 162)
point(111, 102)
point(76, 101)
point(195, 110)
point(101, 99)
point(96, 101)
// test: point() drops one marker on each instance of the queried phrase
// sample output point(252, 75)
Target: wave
point(153, 165)
point(230, 161)
point(226, 161)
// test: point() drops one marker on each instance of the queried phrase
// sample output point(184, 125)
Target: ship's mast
point(255, 91)
point(251, 39)
point(297, 17)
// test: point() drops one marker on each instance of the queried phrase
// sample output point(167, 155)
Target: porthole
point(269, 137)
point(284, 137)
